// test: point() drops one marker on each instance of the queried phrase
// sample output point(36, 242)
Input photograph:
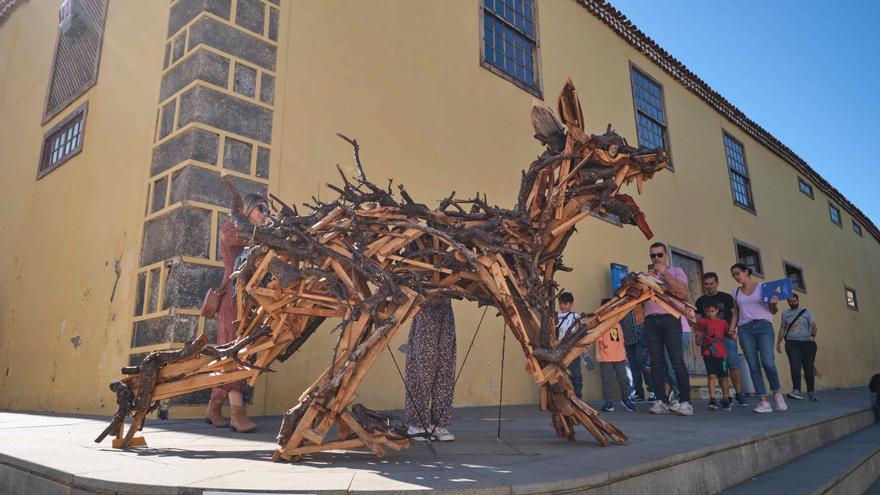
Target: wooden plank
point(197, 382)
point(358, 430)
point(419, 264)
point(328, 313)
point(564, 226)
point(261, 270)
point(310, 435)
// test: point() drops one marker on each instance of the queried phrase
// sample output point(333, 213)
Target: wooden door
point(693, 267)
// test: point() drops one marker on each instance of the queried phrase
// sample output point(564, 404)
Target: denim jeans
point(757, 340)
point(577, 377)
point(634, 356)
point(663, 333)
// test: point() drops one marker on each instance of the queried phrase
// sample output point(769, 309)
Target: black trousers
point(663, 333)
point(801, 355)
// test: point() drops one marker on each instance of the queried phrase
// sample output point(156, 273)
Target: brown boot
point(240, 421)
point(214, 415)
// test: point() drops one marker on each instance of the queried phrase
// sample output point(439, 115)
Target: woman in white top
point(754, 318)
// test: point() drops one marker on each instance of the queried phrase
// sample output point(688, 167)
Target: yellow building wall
point(404, 78)
point(64, 332)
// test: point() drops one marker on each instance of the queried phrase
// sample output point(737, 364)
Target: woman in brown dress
point(232, 242)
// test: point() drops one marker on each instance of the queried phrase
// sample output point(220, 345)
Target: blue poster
point(618, 272)
point(780, 288)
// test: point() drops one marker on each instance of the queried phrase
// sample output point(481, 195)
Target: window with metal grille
point(510, 41)
point(740, 184)
point(64, 141)
point(77, 53)
point(857, 228)
point(805, 188)
point(650, 111)
point(851, 301)
point(796, 275)
point(834, 212)
point(749, 256)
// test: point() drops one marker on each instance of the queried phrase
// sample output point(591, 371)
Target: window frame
point(538, 89)
point(748, 178)
point(809, 186)
point(736, 244)
point(855, 298)
point(637, 112)
point(839, 221)
point(79, 113)
point(785, 266)
point(857, 228)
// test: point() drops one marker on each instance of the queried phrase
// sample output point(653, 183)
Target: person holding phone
point(663, 334)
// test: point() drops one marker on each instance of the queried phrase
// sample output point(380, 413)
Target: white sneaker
point(763, 407)
point(685, 409)
point(780, 402)
point(417, 433)
point(674, 405)
point(659, 408)
point(442, 434)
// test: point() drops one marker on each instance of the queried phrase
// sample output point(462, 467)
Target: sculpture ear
point(569, 107)
point(548, 128)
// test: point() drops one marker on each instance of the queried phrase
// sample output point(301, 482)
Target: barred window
point(740, 184)
point(650, 111)
point(857, 228)
point(796, 275)
point(77, 53)
point(749, 256)
point(805, 188)
point(851, 301)
point(510, 41)
point(834, 212)
point(64, 141)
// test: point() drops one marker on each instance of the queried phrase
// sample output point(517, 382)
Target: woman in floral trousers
point(430, 371)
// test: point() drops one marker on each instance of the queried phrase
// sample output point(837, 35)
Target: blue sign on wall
point(618, 272)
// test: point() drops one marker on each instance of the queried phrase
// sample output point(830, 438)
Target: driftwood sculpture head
point(370, 257)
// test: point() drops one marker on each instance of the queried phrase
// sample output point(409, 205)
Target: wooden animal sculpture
point(369, 258)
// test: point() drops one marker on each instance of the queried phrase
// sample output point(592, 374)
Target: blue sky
point(807, 71)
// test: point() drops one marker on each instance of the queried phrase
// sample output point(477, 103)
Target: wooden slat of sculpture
point(370, 259)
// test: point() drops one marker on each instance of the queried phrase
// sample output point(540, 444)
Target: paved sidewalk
point(191, 454)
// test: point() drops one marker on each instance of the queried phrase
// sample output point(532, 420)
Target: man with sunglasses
point(663, 334)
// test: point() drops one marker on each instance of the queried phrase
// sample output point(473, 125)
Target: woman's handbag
point(211, 304)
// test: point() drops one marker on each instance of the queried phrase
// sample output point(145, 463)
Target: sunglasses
point(656, 255)
point(263, 209)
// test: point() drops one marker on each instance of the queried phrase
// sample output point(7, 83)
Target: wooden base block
point(135, 442)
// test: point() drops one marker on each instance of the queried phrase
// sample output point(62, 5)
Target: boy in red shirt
point(710, 333)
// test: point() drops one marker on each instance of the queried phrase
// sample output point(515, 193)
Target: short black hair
point(708, 275)
point(660, 245)
point(711, 304)
point(566, 297)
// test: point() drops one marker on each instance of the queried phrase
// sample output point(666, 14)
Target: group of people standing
point(652, 350)
point(724, 320)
